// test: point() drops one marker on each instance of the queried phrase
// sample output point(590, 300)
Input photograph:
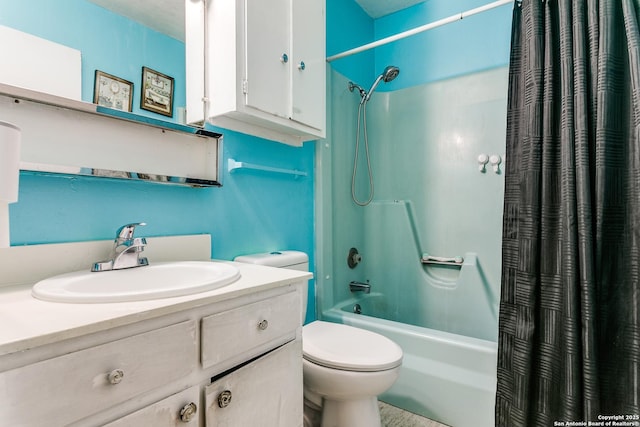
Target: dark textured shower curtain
point(569, 327)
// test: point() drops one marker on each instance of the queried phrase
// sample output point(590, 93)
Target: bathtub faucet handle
point(354, 258)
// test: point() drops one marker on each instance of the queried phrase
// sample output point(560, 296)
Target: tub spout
point(359, 287)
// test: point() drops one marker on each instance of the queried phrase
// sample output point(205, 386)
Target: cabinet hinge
point(245, 86)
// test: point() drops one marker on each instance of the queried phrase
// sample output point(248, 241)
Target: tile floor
point(396, 417)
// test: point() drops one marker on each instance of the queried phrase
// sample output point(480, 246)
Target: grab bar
point(430, 259)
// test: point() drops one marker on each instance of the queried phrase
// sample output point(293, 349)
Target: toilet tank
point(293, 260)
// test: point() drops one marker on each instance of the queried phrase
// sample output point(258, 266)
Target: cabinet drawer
point(67, 388)
point(267, 392)
point(249, 330)
point(180, 409)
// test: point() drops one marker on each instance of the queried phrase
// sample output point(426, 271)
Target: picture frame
point(157, 92)
point(112, 92)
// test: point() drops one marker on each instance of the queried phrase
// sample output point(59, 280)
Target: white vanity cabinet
point(264, 70)
point(168, 370)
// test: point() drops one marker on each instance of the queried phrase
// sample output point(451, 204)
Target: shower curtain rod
point(422, 28)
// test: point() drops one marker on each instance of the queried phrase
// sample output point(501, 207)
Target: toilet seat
point(344, 347)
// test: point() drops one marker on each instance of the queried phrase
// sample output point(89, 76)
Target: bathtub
point(447, 377)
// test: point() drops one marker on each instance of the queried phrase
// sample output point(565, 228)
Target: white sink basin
point(160, 280)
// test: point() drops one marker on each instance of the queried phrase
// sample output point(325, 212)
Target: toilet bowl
point(344, 371)
point(344, 368)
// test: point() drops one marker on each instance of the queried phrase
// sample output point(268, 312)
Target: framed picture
point(157, 92)
point(113, 92)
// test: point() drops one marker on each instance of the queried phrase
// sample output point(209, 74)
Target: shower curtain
point(569, 326)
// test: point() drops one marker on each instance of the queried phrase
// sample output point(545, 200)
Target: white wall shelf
point(61, 135)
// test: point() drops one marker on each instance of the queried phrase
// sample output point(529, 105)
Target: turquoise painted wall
point(252, 212)
point(348, 26)
point(474, 44)
point(477, 43)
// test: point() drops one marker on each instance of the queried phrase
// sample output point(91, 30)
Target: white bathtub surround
point(10, 136)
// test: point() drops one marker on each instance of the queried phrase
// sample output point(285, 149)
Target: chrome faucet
point(126, 251)
point(359, 287)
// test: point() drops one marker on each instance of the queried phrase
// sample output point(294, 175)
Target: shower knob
point(483, 159)
point(354, 258)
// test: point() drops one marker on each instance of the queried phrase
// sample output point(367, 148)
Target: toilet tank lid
point(275, 259)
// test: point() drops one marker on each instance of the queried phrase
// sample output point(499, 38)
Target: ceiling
point(164, 16)
point(378, 8)
point(167, 16)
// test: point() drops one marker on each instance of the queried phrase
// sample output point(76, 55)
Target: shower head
point(389, 73)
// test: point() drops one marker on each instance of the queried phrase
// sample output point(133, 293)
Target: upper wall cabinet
point(257, 67)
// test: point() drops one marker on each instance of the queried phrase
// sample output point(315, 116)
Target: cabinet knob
point(284, 58)
point(224, 399)
point(115, 376)
point(263, 325)
point(187, 412)
point(301, 66)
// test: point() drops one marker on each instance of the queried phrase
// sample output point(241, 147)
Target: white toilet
point(344, 368)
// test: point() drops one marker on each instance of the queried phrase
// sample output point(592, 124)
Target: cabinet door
point(268, 62)
point(265, 393)
point(309, 65)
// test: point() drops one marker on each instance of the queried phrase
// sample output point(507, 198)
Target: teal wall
point(477, 43)
point(348, 26)
point(252, 212)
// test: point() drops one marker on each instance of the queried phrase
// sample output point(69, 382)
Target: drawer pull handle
point(224, 399)
point(187, 412)
point(263, 325)
point(115, 376)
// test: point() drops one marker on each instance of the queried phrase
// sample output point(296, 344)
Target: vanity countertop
point(26, 322)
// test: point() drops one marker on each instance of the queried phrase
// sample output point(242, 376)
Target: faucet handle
point(126, 231)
